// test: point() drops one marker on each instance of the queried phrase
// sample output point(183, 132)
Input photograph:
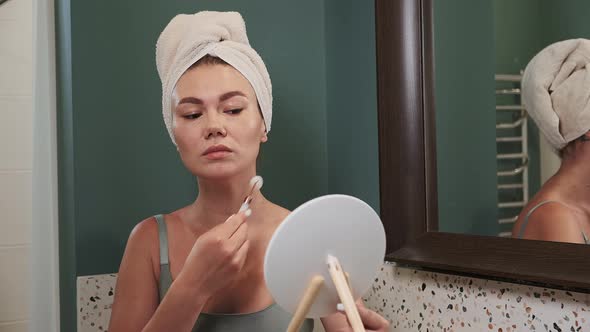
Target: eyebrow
point(223, 97)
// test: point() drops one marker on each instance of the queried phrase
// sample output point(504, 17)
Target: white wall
point(15, 162)
point(44, 248)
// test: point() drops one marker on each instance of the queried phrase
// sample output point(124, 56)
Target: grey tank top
point(273, 318)
point(528, 215)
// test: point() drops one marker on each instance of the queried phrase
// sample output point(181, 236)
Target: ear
point(263, 133)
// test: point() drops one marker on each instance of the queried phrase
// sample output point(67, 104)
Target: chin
point(217, 171)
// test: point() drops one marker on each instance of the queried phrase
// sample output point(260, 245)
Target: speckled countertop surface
point(425, 301)
point(417, 301)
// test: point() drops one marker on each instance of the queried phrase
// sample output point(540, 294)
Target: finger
point(371, 319)
point(229, 227)
point(241, 254)
point(237, 239)
point(360, 302)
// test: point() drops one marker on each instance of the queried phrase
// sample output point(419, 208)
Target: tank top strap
point(528, 215)
point(165, 275)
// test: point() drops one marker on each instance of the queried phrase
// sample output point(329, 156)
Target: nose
point(215, 127)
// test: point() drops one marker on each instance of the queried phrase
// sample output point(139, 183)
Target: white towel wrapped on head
point(556, 91)
point(188, 38)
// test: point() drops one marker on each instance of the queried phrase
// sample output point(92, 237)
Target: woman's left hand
point(372, 321)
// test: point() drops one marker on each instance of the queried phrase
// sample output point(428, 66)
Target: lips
point(216, 148)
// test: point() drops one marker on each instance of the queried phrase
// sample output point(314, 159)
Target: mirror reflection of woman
point(200, 268)
point(556, 94)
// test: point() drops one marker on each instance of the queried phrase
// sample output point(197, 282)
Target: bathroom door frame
point(408, 173)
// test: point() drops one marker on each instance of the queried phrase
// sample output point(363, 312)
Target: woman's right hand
point(217, 256)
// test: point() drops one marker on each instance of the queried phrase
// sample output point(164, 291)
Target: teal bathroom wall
point(517, 33)
point(117, 164)
point(465, 117)
point(565, 19)
point(518, 37)
point(353, 156)
point(126, 168)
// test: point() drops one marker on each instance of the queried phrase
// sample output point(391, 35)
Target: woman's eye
point(192, 116)
point(235, 111)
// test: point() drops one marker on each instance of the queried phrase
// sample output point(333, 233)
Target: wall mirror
point(448, 74)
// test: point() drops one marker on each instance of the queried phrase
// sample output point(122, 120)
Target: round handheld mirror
point(338, 225)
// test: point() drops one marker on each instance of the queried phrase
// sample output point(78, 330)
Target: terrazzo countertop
point(416, 300)
point(95, 300)
point(425, 301)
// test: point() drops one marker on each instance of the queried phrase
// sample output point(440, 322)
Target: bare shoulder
point(136, 294)
point(144, 233)
point(144, 229)
point(553, 221)
point(143, 243)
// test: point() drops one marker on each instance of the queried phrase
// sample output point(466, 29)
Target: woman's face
point(216, 122)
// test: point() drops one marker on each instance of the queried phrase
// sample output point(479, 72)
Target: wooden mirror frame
point(408, 173)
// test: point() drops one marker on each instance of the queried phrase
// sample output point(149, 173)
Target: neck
point(573, 179)
point(218, 199)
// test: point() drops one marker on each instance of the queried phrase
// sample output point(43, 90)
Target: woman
point(556, 92)
point(200, 268)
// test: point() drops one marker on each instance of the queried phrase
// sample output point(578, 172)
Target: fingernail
point(248, 212)
point(340, 307)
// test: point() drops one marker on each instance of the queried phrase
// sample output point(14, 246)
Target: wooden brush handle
point(344, 292)
point(306, 302)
